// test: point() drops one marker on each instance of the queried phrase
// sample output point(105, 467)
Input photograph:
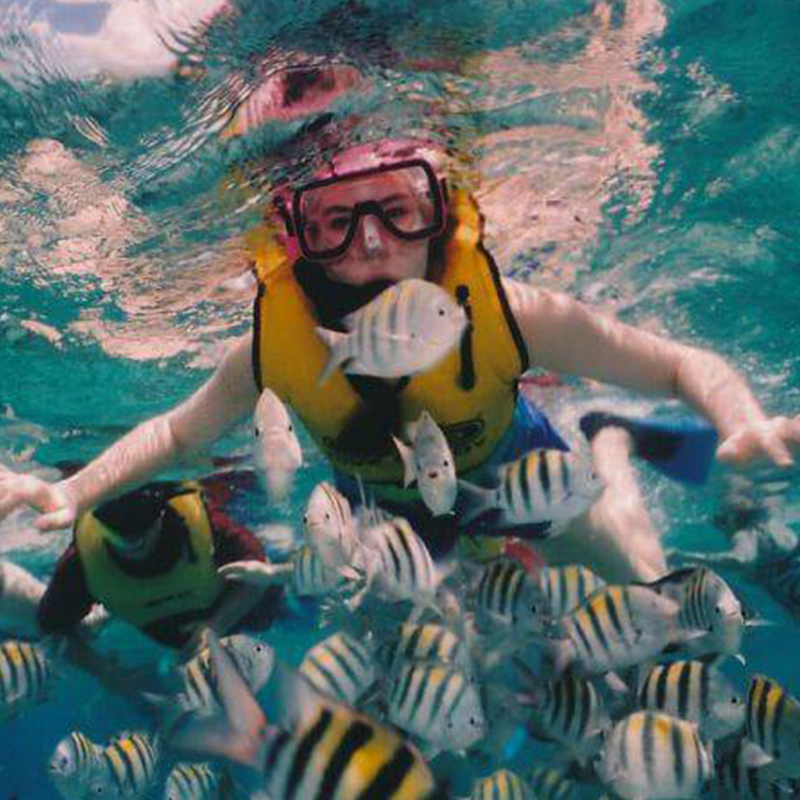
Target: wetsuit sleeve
point(232, 541)
point(67, 599)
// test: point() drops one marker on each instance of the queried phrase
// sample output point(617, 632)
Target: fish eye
point(291, 427)
point(441, 312)
point(327, 515)
point(257, 431)
point(305, 519)
point(445, 463)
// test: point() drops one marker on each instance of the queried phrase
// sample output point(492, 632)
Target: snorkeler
point(151, 557)
point(376, 215)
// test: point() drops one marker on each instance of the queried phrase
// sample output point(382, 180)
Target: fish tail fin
point(334, 341)
point(237, 732)
point(477, 501)
point(681, 448)
point(407, 457)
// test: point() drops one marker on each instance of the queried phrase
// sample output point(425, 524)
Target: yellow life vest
point(186, 591)
point(289, 357)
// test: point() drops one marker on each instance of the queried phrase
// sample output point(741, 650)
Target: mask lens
point(406, 198)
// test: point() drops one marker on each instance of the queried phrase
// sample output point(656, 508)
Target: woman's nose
point(371, 235)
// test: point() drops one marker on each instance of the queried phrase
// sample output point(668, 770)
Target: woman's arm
point(566, 336)
point(226, 398)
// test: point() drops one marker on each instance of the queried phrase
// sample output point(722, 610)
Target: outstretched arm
point(566, 336)
point(225, 399)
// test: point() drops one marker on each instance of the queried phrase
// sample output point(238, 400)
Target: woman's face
point(375, 253)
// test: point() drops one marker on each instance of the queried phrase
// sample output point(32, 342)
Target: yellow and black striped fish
point(130, 765)
point(25, 677)
point(617, 627)
point(565, 588)
point(438, 703)
point(197, 782)
point(648, 754)
point(426, 642)
point(502, 785)
point(552, 784)
point(737, 778)
point(339, 667)
point(697, 692)
point(74, 764)
point(507, 596)
point(542, 486)
point(773, 722)
point(571, 711)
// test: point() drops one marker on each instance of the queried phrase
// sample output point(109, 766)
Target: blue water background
point(701, 244)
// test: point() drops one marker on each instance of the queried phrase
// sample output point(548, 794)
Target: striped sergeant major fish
point(339, 667)
point(406, 329)
point(318, 750)
point(652, 755)
point(329, 528)
point(570, 711)
point(439, 704)
point(617, 627)
point(542, 486)
point(73, 765)
point(707, 604)
point(565, 588)
point(773, 723)
point(507, 596)
point(198, 683)
point(696, 691)
point(26, 677)
point(425, 642)
point(429, 462)
point(552, 784)
point(197, 782)
point(128, 767)
point(737, 778)
point(502, 785)
point(398, 563)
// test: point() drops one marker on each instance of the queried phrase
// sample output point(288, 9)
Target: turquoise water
point(642, 155)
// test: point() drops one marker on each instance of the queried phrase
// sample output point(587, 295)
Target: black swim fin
point(681, 448)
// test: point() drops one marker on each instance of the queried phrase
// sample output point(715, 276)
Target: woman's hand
point(775, 440)
point(59, 509)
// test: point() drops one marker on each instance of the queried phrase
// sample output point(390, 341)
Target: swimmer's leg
point(616, 537)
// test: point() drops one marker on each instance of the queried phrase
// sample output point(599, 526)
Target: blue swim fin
point(681, 448)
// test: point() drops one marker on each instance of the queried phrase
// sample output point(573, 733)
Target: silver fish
point(277, 451)
point(508, 597)
point(197, 782)
point(438, 703)
point(426, 642)
point(542, 486)
point(736, 778)
point(502, 785)
point(695, 691)
point(709, 605)
point(26, 677)
point(773, 723)
point(74, 764)
point(399, 563)
point(128, 768)
point(429, 462)
point(406, 329)
point(329, 528)
point(652, 755)
point(319, 750)
point(565, 588)
point(617, 627)
point(551, 784)
point(570, 711)
point(340, 667)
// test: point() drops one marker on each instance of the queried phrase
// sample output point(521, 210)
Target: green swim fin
point(681, 448)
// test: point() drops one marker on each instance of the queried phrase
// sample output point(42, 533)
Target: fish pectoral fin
point(753, 756)
point(407, 457)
